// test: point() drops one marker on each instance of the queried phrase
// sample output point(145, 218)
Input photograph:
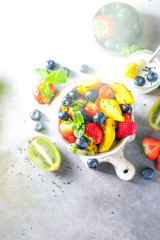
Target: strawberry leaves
point(79, 126)
point(46, 92)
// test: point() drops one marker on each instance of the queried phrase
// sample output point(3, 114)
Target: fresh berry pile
point(95, 115)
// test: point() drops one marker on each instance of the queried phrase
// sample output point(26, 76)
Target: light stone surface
point(75, 202)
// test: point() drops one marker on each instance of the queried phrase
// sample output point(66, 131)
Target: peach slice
point(122, 94)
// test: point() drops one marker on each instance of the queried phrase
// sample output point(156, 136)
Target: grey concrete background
point(75, 202)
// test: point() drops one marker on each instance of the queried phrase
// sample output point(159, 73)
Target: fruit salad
point(95, 116)
point(144, 75)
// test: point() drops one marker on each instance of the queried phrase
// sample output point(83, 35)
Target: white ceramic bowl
point(124, 169)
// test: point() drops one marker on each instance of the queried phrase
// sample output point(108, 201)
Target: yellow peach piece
point(64, 108)
point(122, 94)
point(92, 147)
point(111, 109)
point(80, 89)
point(130, 69)
point(91, 84)
point(108, 135)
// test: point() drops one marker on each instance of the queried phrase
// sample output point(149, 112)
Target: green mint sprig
point(79, 126)
point(57, 77)
point(77, 105)
point(46, 92)
point(126, 50)
point(89, 138)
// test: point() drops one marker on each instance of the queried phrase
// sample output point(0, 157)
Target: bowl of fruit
point(96, 121)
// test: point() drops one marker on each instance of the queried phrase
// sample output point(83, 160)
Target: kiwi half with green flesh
point(44, 154)
point(72, 148)
point(154, 115)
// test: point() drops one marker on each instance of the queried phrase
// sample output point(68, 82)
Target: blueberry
point(81, 143)
point(67, 70)
point(66, 101)
point(152, 76)
point(38, 127)
point(99, 118)
point(126, 108)
point(91, 95)
point(88, 119)
point(148, 173)
point(35, 115)
point(64, 115)
point(83, 112)
point(92, 163)
point(74, 94)
point(50, 64)
point(84, 68)
point(139, 81)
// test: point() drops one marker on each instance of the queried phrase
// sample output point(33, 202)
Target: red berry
point(151, 147)
point(91, 109)
point(94, 131)
point(126, 128)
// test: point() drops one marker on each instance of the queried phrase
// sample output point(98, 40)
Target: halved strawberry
point(105, 91)
point(126, 128)
point(151, 147)
point(94, 131)
point(91, 109)
point(70, 111)
point(65, 129)
point(158, 163)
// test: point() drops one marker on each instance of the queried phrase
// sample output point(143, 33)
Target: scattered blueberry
point(126, 108)
point(84, 68)
point(66, 101)
point(83, 112)
point(139, 81)
point(50, 64)
point(38, 127)
point(64, 115)
point(35, 115)
point(67, 70)
point(74, 94)
point(99, 118)
point(91, 95)
point(148, 173)
point(81, 143)
point(92, 163)
point(152, 76)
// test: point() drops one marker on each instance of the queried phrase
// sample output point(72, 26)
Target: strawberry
point(70, 111)
point(93, 131)
point(43, 93)
point(151, 147)
point(91, 109)
point(158, 163)
point(65, 129)
point(104, 91)
point(126, 128)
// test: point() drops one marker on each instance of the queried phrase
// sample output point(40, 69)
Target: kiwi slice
point(44, 154)
point(154, 115)
point(72, 148)
point(141, 64)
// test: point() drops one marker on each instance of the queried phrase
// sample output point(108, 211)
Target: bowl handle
point(124, 169)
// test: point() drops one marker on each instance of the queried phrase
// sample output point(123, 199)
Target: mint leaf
point(57, 77)
point(74, 127)
point(41, 74)
point(135, 48)
point(122, 46)
point(79, 132)
point(46, 92)
point(77, 105)
point(78, 118)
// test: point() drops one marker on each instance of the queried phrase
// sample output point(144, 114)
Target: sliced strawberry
point(66, 128)
point(158, 163)
point(91, 109)
point(126, 128)
point(105, 91)
point(151, 147)
point(70, 111)
point(43, 93)
point(94, 131)
point(71, 139)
